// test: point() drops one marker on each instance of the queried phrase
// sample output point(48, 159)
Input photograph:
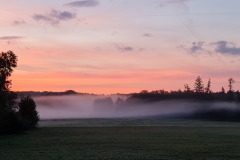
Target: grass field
point(123, 140)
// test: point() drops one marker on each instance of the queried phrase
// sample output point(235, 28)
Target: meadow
point(123, 139)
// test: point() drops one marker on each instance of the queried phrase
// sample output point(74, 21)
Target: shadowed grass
point(175, 141)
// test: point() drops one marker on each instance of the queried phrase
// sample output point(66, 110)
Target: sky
point(121, 46)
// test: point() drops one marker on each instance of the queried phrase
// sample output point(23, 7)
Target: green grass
point(167, 140)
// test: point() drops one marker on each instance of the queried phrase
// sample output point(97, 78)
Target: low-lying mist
point(71, 106)
point(84, 106)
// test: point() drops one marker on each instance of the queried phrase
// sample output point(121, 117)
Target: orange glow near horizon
point(100, 84)
point(128, 82)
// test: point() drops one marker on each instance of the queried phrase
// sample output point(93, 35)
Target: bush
point(27, 112)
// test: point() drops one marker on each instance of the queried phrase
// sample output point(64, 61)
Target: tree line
point(199, 92)
point(15, 114)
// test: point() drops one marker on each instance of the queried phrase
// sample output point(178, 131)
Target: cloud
point(168, 2)
point(65, 15)
point(196, 47)
point(84, 3)
point(225, 47)
point(40, 17)
point(18, 22)
point(54, 17)
point(176, 1)
point(147, 35)
point(125, 48)
point(9, 38)
point(30, 68)
point(222, 47)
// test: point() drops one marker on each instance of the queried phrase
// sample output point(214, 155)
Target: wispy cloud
point(54, 17)
point(164, 3)
point(9, 38)
point(125, 48)
point(18, 22)
point(29, 68)
point(196, 47)
point(147, 35)
point(62, 15)
point(40, 17)
point(84, 3)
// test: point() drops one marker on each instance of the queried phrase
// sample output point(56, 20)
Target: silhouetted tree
point(208, 88)
point(70, 92)
point(187, 88)
point(230, 85)
point(13, 117)
point(8, 61)
point(198, 85)
point(223, 91)
point(144, 92)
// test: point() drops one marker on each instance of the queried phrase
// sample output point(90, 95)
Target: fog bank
point(82, 106)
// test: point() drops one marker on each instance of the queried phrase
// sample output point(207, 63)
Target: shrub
point(27, 111)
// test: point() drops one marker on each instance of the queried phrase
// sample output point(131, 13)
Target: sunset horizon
point(109, 47)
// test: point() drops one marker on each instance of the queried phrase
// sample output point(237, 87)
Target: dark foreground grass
point(123, 143)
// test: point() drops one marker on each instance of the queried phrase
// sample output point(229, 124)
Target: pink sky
point(106, 46)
